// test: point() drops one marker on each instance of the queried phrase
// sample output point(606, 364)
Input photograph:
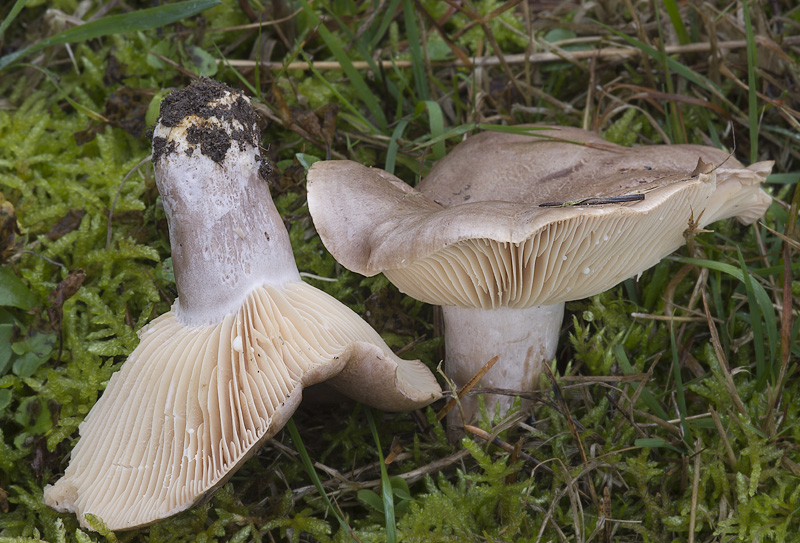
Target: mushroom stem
point(225, 232)
point(522, 339)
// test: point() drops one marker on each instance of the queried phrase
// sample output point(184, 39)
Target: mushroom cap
point(551, 164)
point(192, 403)
point(556, 164)
point(493, 253)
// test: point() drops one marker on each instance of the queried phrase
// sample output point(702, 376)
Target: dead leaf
point(64, 291)
point(71, 221)
point(125, 108)
point(9, 229)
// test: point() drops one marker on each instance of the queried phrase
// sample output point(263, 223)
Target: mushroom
point(506, 228)
point(225, 368)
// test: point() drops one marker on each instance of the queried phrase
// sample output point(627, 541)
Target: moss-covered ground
point(656, 429)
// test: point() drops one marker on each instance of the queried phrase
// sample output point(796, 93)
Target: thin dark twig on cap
point(597, 201)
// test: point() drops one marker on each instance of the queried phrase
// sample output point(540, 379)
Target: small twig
point(695, 487)
point(671, 428)
point(318, 277)
point(410, 345)
point(724, 436)
point(723, 361)
point(572, 429)
point(53, 262)
point(592, 201)
point(256, 25)
point(535, 58)
point(464, 390)
point(494, 440)
point(116, 197)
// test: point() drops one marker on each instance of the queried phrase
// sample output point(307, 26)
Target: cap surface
point(192, 403)
point(556, 164)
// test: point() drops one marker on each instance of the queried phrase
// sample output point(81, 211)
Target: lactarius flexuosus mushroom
point(221, 372)
point(506, 228)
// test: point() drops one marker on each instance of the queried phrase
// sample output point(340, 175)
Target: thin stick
point(116, 197)
point(695, 487)
point(615, 53)
point(509, 448)
point(464, 390)
point(256, 25)
point(564, 409)
point(724, 436)
point(723, 361)
point(676, 319)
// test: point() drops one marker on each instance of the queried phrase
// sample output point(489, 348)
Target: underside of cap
point(192, 403)
point(585, 252)
point(494, 254)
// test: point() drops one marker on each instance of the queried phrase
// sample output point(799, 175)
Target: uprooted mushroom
point(223, 371)
point(508, 227)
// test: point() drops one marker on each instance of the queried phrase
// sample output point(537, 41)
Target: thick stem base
point(523, 339)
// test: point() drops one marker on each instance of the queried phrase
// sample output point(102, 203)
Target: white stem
point(523, 339)
point(226, 235)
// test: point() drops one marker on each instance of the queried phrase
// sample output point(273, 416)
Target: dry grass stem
point(564, 409)
point(731, 456)
point(668, 319)
point(605, 53)
point(464, 390)
point(695, 486)
point(723, 361)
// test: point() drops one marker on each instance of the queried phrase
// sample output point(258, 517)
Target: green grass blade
point(534, 131)
point(783, 178)
point(752, 82)
point(656, 443)
point(242, 79)
point(256, 70)
point(649, 400)
point(761, 296)
point(78, 106)
point(366, 53)
point(338, 50)
point(365, 124)
point(680, 397)
point(673, 120)
point(309, 466)
point(386, 485)
point(755, 324)
point(414, 47)
point(677, 23)
point(436, 125)
point(391, 152)
point(715, 284)
point(12, 15)
point(386, 20)
point(144, 19)
point(675, 66)
point(451, 133)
